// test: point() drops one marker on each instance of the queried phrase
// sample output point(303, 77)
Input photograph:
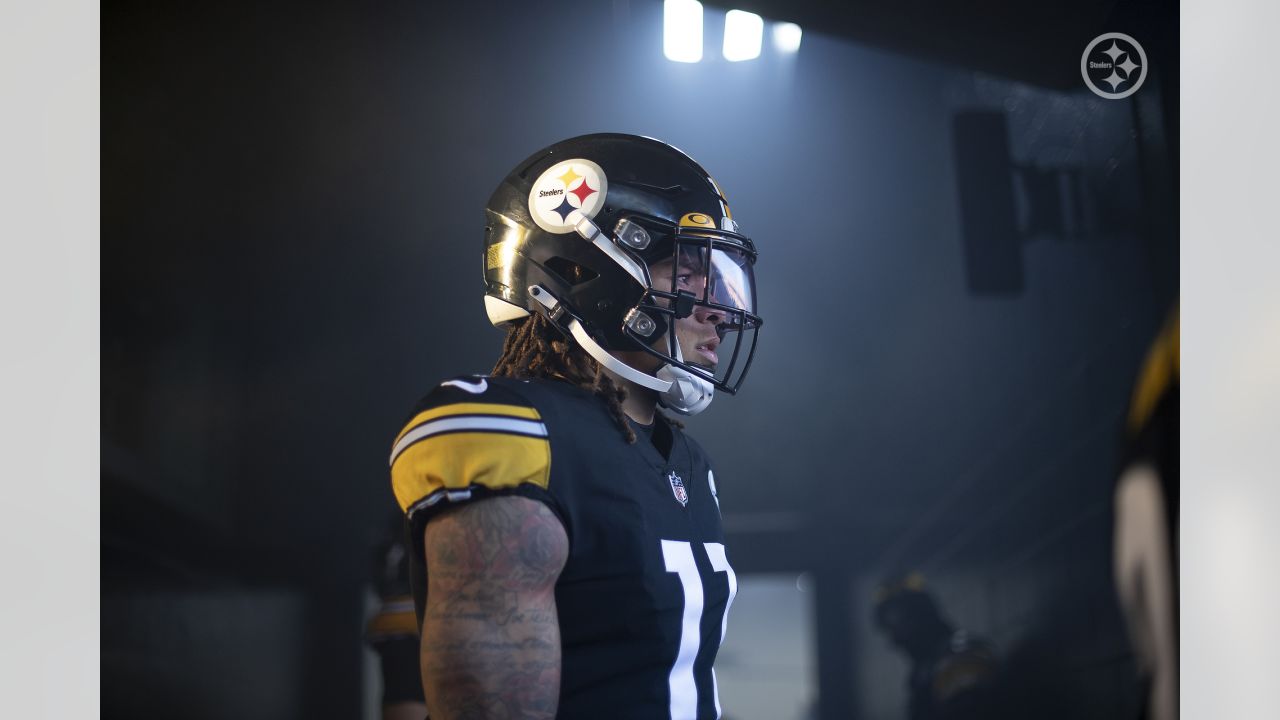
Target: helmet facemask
point(706, 275)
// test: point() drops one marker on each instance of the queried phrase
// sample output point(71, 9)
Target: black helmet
point(572, 231)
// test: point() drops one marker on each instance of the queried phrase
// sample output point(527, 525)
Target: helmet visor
point(706, 289)
point(720, 277)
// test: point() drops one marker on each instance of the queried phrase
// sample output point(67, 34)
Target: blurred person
point(393, 631)
point(567, 557)
point(1145, 549)
point(952, 672)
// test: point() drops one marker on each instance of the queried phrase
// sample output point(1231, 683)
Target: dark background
point(964, 254)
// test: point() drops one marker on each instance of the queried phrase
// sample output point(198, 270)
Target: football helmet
point(573, 232)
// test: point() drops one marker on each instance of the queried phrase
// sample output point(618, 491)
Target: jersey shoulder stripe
point(1160, 371)
point(469, 435)
point(395, 618)
point(469, 417)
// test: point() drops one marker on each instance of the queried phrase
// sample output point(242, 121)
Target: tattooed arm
point(490, 634)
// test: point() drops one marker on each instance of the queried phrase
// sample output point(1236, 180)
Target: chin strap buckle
point(551, 305)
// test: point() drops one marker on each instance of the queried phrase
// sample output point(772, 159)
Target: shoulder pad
point(470, 432)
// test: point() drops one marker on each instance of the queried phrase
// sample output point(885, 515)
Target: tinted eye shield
point(715, 268)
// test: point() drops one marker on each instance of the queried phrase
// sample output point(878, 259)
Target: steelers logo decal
point(567, 192)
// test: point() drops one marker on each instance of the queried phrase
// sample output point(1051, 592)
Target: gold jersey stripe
point(388, 624)
point(458, 461)
point(1160, 369)
point(515, 411)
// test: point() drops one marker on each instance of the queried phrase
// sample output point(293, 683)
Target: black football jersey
point(644, 596)
point(1152, 424)
point(1151, 435)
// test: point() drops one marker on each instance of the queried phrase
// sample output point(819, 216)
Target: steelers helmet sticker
point(567, 192)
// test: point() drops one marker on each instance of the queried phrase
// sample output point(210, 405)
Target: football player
point(952, 671)
point(1145, 548)
point(566, 550)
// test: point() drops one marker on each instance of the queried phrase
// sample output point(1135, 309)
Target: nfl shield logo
point(677, 487)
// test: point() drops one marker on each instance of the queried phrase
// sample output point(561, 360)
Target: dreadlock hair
point(535, 348)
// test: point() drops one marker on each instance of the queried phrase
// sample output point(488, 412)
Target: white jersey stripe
point(476, 423)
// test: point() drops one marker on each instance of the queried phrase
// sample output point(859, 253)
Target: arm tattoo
point(490, 634)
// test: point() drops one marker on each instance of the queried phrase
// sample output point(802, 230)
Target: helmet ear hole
point(570, 272)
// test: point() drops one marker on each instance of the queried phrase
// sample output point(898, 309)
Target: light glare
point(743, 34)
point(682, 30)
point(786, 36)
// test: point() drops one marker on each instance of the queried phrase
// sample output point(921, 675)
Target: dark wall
point(291, 221)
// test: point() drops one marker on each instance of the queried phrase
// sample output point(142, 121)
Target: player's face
point(697, 333)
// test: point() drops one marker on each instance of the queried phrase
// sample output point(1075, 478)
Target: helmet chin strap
point(678, 389)
point(690, 393)
point(613, 364)
point(555, 311)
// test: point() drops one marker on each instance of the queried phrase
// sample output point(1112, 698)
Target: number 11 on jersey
point(679, 560)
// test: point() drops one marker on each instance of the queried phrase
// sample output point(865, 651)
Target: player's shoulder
point(489, 394)
point(471, 390)
point(470, 434)
point(471, 403)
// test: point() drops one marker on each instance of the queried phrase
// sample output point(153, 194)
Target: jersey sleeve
point(395, 617)
point(1160, 370)
point(1151, 422)
point(469, 438)
point(393, 631)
